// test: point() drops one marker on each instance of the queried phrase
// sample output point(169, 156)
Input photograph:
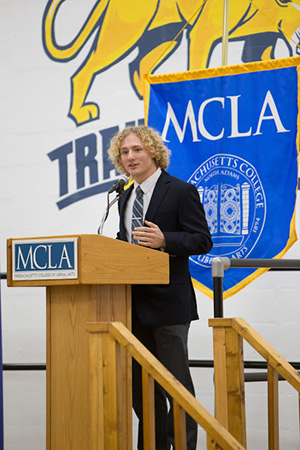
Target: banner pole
point(225, 33)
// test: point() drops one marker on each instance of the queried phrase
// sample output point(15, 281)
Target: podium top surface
point(83, 259)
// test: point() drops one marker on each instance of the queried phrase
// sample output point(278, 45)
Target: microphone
point(119, 185)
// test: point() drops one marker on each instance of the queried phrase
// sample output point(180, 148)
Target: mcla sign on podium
point(42, 259)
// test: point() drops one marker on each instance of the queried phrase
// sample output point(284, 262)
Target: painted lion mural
point(151, 26)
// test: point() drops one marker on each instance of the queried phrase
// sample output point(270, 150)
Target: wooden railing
point(106, 341)
point(229, 378)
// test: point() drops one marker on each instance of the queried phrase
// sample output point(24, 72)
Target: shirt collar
point(149, 184)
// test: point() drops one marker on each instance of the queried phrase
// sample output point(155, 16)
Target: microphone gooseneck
point(117, 187)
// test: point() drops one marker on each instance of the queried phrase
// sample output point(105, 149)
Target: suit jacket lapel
point(122, 204)
point(124, 199)
point(159, 192)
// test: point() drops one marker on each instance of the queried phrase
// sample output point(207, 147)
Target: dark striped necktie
point(137, 211)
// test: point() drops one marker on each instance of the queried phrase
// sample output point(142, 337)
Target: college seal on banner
point(234, 201)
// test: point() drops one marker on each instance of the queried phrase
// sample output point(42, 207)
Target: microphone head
point(119, 185)
point(123, 180)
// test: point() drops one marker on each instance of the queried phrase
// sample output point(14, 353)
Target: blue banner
point(234, 137)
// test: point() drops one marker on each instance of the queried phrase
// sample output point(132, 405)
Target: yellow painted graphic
point(153, 27)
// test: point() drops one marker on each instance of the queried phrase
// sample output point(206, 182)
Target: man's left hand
point(149, 236)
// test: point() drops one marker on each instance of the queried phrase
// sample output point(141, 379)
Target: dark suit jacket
point(176, 209)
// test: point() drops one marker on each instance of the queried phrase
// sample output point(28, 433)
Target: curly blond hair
point(151, 140)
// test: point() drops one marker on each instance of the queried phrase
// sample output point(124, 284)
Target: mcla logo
point(38, 259)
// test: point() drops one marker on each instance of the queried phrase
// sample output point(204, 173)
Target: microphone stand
point(106, 212)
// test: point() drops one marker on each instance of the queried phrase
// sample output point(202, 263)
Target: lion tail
point(69, 51)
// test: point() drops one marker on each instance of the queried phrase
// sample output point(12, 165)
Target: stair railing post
point(218, 266)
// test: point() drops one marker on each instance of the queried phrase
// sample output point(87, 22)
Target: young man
point(166, 215)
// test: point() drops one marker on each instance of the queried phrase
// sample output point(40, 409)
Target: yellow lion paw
point(85, 113)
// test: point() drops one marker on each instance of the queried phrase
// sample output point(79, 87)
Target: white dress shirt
point(147, 187)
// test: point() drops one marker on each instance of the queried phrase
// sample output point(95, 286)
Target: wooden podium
point(100, 291)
